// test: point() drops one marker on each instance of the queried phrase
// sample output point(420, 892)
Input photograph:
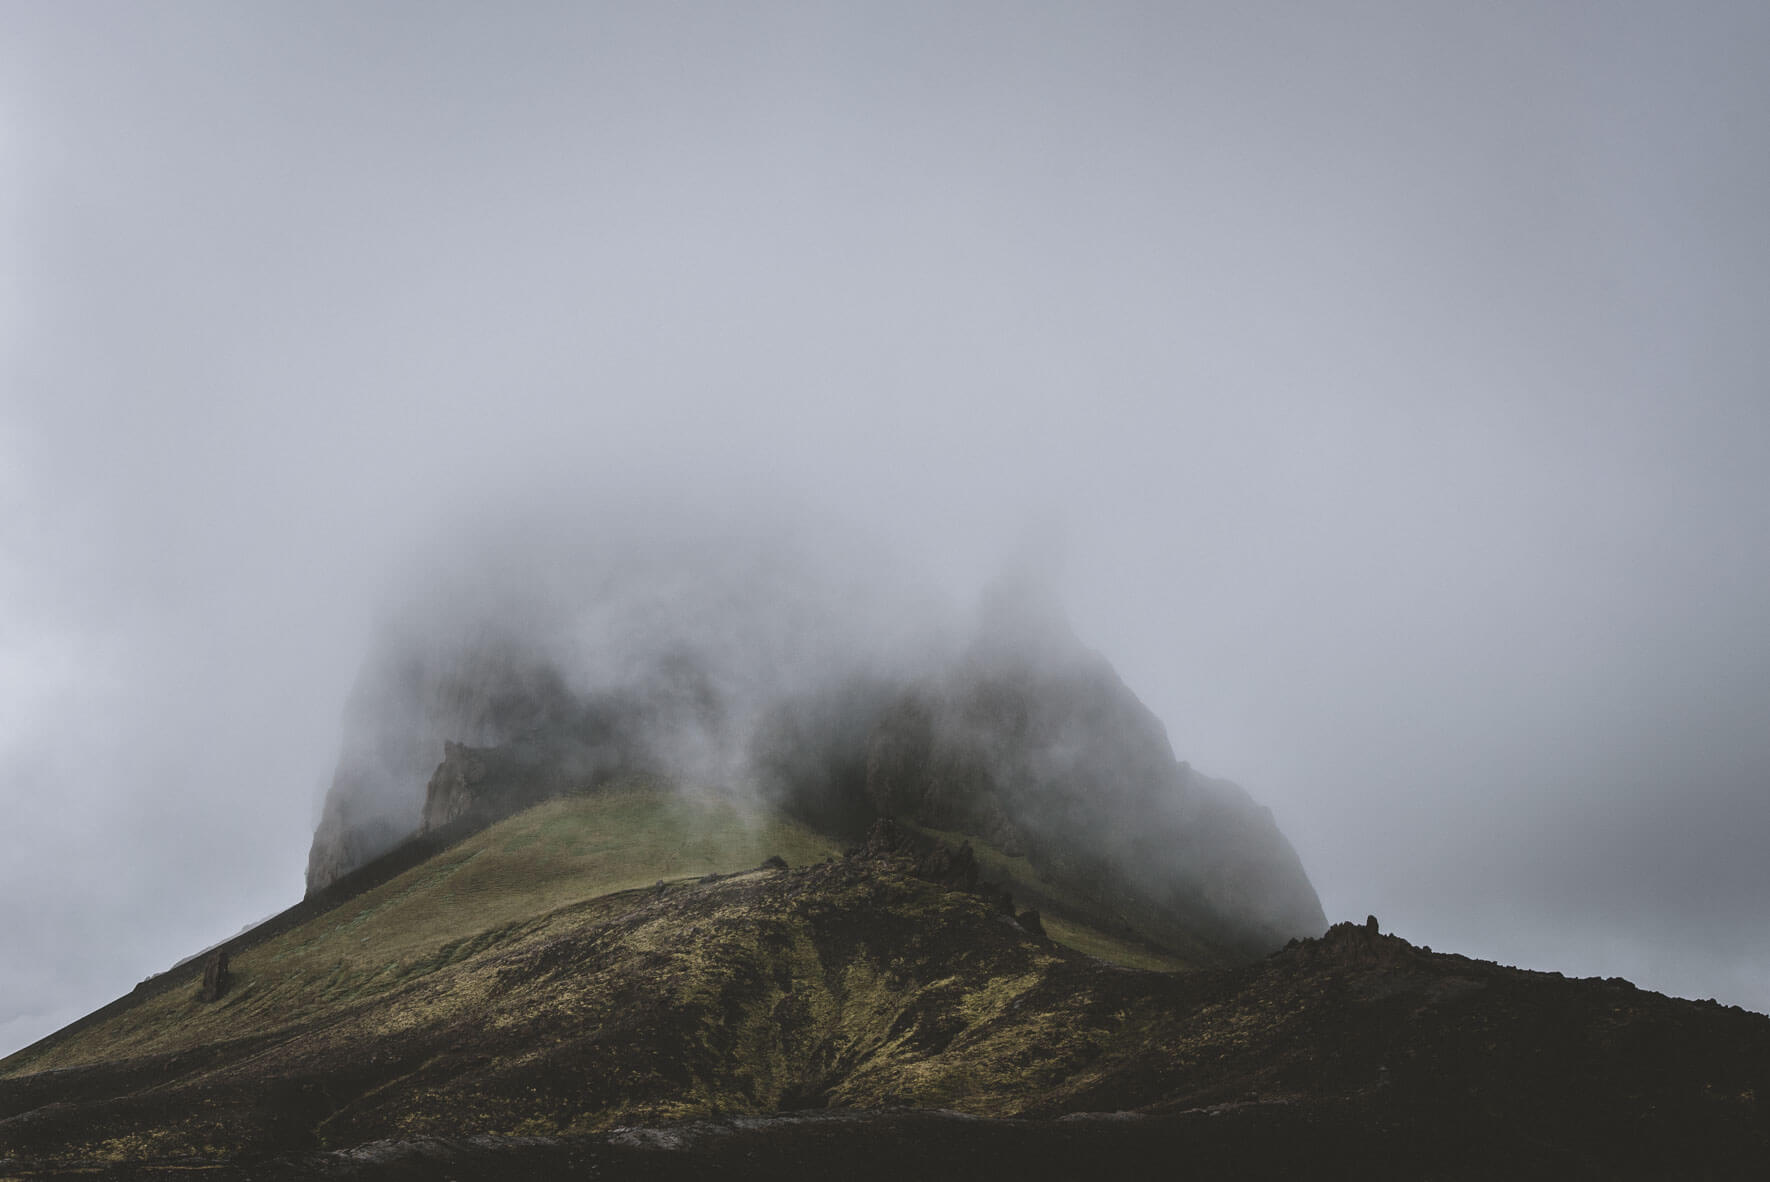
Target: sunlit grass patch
point(494, 887)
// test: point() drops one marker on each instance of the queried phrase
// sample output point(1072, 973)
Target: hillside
point(525, 999)
point(699, 907)
point(484, 889)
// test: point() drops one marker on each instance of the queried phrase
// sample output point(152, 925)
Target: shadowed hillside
point(537, 982)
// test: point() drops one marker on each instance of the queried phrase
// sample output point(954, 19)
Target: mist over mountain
point(714, 842)
point(695, 624)
point(1396, 374)
point(770, 672)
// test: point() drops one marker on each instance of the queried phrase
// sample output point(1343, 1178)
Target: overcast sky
point(1388, 379)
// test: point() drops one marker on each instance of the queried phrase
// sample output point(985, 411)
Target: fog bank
point(1389, 380)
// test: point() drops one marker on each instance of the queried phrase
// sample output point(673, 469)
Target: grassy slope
point(558, 854)
point(544, 867)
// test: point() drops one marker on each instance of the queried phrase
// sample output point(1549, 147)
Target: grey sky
point(1388, 379)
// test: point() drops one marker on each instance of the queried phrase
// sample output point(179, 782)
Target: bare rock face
point(453, 791)
point(572, 754)
point(508, 733)
point(415, 694)
point(215, 976)
point(953, 868)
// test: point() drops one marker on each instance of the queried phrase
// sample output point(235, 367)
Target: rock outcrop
point(215, 976)
point(417, 691)
point(456, 788)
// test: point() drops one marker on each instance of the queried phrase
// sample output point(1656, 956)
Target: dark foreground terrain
point(1249, 1140)
point(876, 1015)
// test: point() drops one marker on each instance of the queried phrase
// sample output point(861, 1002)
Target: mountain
point(642, 982)
point(1022, 741)
point(679, 908)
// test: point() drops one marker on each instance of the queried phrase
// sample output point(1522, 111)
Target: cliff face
point(414, 694)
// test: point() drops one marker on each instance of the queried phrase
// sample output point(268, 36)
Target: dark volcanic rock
point(215, 976)
point(884, 838)
point(952, 867)
point(455, 788)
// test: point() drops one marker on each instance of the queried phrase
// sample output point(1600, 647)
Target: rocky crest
point(455, 788)
point(415, 694)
